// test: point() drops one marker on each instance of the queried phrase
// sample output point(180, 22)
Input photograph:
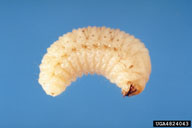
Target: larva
point(118, 56)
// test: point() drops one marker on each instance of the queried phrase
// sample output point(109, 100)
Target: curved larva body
point(118, 56)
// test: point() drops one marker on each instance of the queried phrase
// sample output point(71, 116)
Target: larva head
point(131, 89)
point(130, 83)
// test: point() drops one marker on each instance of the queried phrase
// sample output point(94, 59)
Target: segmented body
point(118, 56)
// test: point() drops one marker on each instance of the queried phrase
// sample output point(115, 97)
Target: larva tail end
point(53, 94)
point(54, 90)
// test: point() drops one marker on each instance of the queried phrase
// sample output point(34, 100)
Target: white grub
point(118, 56)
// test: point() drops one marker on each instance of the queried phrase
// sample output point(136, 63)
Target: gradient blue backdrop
point(27, 28)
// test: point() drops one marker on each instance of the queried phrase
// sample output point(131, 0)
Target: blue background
point(28, 28)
